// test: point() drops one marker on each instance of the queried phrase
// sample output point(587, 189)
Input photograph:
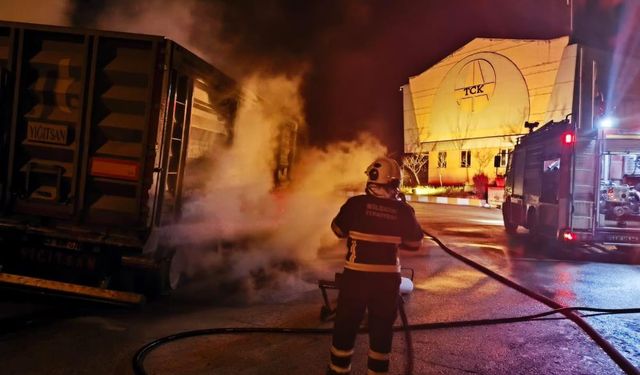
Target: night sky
point(355, 54)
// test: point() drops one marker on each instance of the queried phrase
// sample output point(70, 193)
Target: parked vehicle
point(98, 131)
point(578, 180)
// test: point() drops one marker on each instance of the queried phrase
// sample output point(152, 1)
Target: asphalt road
point(88, 339)
point(585, 276)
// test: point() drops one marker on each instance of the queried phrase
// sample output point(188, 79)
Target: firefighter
point(375, 224)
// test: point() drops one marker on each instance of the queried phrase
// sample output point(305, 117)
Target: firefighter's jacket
point(375, 228)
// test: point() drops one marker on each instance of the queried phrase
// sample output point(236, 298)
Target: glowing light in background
point(624, 72)
point(607, 122)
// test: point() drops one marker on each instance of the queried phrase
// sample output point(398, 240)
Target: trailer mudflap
point(74, 290)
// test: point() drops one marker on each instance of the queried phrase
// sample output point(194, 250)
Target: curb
point(448, 200)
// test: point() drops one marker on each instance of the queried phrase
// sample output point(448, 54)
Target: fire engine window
point(550, 181)
point(630, 167)
point(631, 171)
point(465, 159)
point(442, 159)
point(551, 165)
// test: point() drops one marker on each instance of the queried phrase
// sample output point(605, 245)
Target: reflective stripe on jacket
point(374, 228)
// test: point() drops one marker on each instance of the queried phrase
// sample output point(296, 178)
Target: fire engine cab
point(575, 186)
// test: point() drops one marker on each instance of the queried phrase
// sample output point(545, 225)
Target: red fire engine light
point(568, 236)
point(568, 138)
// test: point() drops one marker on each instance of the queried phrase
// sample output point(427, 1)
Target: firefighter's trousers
point(377, 293)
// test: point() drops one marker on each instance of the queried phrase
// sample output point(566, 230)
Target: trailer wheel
point(167, 276)
point(532, 223)
point(509, 227)
point(175, 271)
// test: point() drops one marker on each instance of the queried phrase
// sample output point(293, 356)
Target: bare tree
point(414, 162)
point(483, 159)
point(511, 131)
point(442, 164)
point(416, 157)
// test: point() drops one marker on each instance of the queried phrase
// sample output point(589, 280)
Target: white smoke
point(276, 233)
point(172, 19)
point(323, 177)
point(241, 228)
point(240, 185)
point(175, 20)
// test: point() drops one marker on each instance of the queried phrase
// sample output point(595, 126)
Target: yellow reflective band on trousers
point(340, 360)
point(340, 370)
point(375, 238)
point(378, 363)
point(341, 353)
point(378, 356)
point(389, 268)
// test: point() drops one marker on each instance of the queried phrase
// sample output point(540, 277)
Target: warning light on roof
point(568, 138)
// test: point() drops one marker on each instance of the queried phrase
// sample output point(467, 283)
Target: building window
point(465, 159)
point(442, 159)
point(503, 155)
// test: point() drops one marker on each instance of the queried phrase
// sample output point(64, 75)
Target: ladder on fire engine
point(584, 185)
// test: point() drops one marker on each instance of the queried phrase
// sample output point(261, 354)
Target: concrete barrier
point(448, 200)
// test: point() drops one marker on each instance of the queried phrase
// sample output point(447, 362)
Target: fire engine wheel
point(509, 227)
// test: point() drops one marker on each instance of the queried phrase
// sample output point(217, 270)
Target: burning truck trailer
point(578, 180)
point(100, 134)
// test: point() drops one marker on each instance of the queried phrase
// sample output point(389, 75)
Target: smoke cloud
point(309, 39)
point(272, 236)
point(240, 37)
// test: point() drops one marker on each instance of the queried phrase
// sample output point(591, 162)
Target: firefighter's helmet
point(384, 171)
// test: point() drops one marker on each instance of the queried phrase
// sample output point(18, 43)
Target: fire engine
point(578, 180)
point(574, 186)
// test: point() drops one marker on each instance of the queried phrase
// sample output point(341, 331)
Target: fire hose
point(567, 311)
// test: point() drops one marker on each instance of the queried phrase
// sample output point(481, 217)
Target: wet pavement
point(597, 277)
point(104, 341)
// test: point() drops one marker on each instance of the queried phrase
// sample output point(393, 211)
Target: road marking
point(489, 222)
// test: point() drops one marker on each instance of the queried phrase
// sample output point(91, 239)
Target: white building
point(473, 104)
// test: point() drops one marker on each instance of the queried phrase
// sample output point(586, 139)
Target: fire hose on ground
point(568, 312)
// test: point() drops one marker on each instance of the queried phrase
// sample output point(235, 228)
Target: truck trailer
point(577, 180)
point(98, 131)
